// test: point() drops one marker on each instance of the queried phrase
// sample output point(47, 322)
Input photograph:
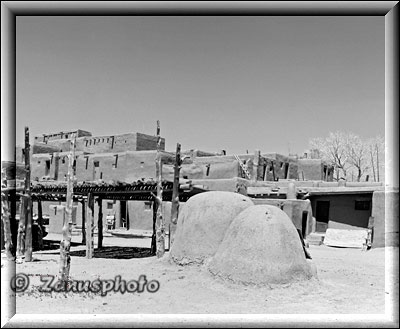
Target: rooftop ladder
point(243, 166)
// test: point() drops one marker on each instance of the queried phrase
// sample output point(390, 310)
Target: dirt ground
point(350, 281)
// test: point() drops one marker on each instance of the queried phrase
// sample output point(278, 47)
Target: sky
point(234, 83)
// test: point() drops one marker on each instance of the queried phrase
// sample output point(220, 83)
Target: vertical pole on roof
point(256, 163)
point(65, 244)
point(89, 226)
point(5, 216)
point(100, 224)
point(160, 224)
point(28, 204)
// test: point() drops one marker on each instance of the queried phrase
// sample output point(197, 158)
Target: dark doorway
point(322, 215)
point(304, 223)
point(47, 168)
point(122, 217)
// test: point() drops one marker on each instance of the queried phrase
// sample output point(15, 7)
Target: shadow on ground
point(116, 252)
point(109, 252)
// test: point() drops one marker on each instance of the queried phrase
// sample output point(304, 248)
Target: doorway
point(322, 215)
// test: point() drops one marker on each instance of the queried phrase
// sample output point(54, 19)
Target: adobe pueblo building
point(303, 188)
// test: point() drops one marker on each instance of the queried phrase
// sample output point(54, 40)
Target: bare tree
point(376, 149)
point(332, 150)
point(350, 155)
point(357, 151)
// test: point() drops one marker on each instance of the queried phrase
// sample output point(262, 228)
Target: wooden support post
point(100, 224)
point(160, 233)
point(83, 221)
point(175, 189)
point(5, 216)
point(256, 162)
point(89, 226)
point(153, 247)
point(65, 244)
point(28, 218)
point(40, 224)
point(21, 231)
point(273, 169)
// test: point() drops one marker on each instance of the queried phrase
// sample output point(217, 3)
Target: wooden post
point(160, 233)
point(89, 226)
point(273, 169)
point(40, 224)
point(100, 224)
point(175, 189)
point(28, 218)
point(153, 247)
point(65, 243)
point(5, 216)
point(21, 230)
point(83, 221)
point(255, 164)
point(377, 161)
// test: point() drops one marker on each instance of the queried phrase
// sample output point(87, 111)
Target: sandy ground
point(350, 281)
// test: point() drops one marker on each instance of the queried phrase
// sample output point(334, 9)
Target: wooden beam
point(256, 162)
point(153, 247)
point(175, 189)
point(40, 225)
point(100, 224)
point(83, 221)
point(28, 218)
point(5, 216)
point(160, 234)
point(65, 244)
point(89, 226)
point(21, 230)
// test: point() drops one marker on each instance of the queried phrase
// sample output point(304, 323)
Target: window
point(87, 162)
point(362, 205)
point(110, 205)
point(115, 164)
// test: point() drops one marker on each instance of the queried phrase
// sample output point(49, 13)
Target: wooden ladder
point(243, 166)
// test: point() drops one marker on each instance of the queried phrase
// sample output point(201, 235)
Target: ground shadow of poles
point(112, 252)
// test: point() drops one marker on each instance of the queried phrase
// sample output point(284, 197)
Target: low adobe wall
point(385, 213)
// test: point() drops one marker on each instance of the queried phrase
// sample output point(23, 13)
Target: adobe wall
point(342, 208)
point(294, 209)
point(230, 185)
point(385, 218)
point(44, 148)
point(43, 138)
point(310, 169)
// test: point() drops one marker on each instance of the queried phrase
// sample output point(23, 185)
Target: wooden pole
point(153, 247)
point(65, 244)
point(377, 161)
point(83, 221)
point(100, 224)
point(40, 224)
point(175, 189)
point(372, 163)
point(160, 233)
point(5, 216)
point(256, 162)
point(28, 218)
point(21, 230)
point(89, 226)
